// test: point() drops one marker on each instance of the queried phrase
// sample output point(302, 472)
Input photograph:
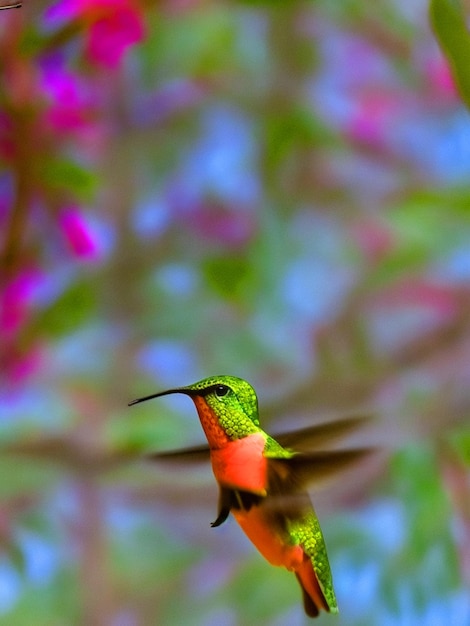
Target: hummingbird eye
point(221, 391)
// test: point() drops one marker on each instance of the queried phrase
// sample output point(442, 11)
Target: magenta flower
point(440, 77)
point(78, 233)
point(112, 26)
point(70, 104)
point(16, 300)
point(113, 33)
point(374, 112)
point(19, 366)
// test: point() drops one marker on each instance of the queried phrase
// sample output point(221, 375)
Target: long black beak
point(184, 390)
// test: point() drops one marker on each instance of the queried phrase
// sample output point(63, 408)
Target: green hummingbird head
point(231, 399)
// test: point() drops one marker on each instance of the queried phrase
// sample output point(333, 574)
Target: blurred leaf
point(262, 592)
point(421, 224)
point(16, 556)
point(450, 27)
point(67, 176)
point(226, 275)
point(35, 42)
point(421, 230)
point(25, 476)
point(461, 442)
point(196, 43)
point(72, 309)
point(393, 265)
point(56, 603)
point(455, 199)
point(292, 131)
point(144, 433)
point(418, 481)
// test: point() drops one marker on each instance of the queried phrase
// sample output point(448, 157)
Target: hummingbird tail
point(313, 597)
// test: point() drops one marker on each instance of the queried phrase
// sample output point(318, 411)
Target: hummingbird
point(263, 481)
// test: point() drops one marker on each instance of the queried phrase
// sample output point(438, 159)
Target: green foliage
point(66, 176)
point(292, 134)
point(195, 44)
point(418, 482)
point(227, 275)
point(460, 440)
point(270, 589)
point(149, 430)
point(404, 537)
point(25, 475)
point(449, 24)
point(71, 310)
point(51, 606)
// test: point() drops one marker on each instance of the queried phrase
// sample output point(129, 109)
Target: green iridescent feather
point(306, 532)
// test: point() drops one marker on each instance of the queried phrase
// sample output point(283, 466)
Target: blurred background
point(273, 190)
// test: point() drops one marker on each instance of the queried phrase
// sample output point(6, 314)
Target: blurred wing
point(302, 440)
point(317, 436)
point(194, 454)
point(291, 475)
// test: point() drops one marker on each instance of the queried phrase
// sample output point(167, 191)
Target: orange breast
point(257, 524)
point(240, 464)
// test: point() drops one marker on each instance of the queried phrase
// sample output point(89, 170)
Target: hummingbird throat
point(237, 463)
point(216, 435)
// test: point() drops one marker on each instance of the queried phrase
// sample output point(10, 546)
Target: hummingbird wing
point(318, 435)
point(193, 454)
point(307, 468)
point(303, 439)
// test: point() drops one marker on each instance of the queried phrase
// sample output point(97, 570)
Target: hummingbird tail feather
point(313, 597)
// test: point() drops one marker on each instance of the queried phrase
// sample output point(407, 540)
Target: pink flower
point(18, 361)
point(440, 77)
point(20, 366)
point(73, 106)
point(112, 34)
point(112, 26)
point(78, 233)
point(16, 300)
point(373, 115)
point(70, 105)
